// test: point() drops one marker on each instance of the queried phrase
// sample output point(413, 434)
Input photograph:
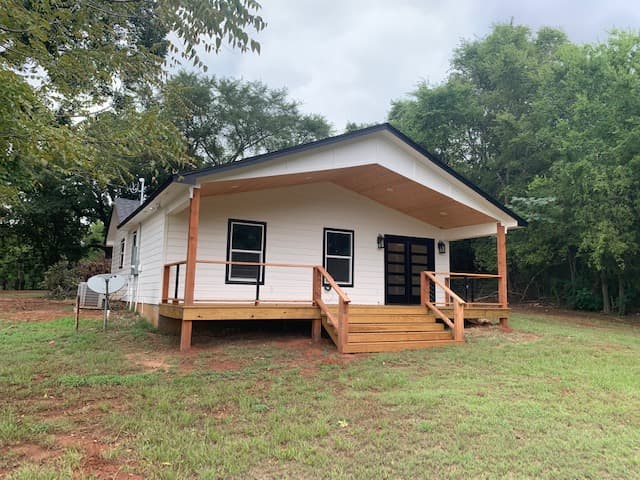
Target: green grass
point(554, 399)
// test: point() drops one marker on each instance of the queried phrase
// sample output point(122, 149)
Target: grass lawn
point(557, 398)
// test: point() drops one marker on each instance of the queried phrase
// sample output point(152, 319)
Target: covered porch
point(437, 319)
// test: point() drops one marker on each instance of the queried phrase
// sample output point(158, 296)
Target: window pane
point(339, 244)
point(244, 271)
point(339, 269)
point(246, 237)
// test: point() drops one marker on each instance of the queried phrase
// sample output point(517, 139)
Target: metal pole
point(106, 305)
point(258, 285)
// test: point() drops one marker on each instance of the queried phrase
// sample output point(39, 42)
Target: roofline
point(189, 177)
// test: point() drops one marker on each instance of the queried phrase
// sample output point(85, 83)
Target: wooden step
point(386, 318)
point(397, 337)
point(395, 327)
point(388, 309)
point(374, 347)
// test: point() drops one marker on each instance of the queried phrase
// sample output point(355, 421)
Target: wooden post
point(192, 246)
point(185, 335)
point(165, 284)
point(316, 324)
point(447, 297)
point(343, 321)
point(458, 321)
point(502, 271)
point(424, 285)
point(190, 271)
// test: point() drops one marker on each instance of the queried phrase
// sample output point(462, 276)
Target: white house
point(315, 231)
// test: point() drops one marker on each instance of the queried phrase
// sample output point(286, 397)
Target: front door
point(404, 259)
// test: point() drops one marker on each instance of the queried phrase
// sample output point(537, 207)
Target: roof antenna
point(141, 180)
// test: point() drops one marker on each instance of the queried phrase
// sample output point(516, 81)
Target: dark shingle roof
point(125, 207)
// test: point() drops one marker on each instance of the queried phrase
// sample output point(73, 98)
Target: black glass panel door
point(405, 258)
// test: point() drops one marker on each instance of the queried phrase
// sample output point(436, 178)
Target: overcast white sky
point(347, 59)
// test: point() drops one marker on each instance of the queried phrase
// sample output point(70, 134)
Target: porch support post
point(192, 246)
point(502, 271)
point(190, 271)
point(316, 323)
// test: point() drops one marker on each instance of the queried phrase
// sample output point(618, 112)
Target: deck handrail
point(457, 324)
point(341, 324)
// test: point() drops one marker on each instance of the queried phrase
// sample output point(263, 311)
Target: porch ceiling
point(372, 181)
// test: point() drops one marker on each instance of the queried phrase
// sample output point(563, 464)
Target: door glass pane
point(415, 280)
point(395, 268)
point(418, 268)
point(246, 237)
point(339, 243)
point(339, 269)
point(395, 247)
point(415, 291)
point(421, 259)
point(395, 257)
point(396, 280)
point(418, 249)
point(396, 291)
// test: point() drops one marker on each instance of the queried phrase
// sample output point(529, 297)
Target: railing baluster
point(177, 283)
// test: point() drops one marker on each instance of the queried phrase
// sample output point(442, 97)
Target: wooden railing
point(469, 280)
point(451, 298)
point(341, 324)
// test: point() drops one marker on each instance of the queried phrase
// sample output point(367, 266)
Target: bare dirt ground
point(34, 307)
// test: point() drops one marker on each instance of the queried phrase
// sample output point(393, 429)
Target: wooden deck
point(371, 328)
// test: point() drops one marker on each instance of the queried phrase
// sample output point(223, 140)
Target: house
point(351, 233)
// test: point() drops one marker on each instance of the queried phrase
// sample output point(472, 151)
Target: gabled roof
point(191, 177)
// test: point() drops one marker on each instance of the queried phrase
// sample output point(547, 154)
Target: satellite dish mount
point(106, 284)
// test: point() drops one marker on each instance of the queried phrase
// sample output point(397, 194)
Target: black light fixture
point(442, 247)
point(380, 240)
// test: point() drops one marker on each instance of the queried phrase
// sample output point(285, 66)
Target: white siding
point(295, 218)
point(151, 241)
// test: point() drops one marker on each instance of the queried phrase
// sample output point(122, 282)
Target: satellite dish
point(106, 283)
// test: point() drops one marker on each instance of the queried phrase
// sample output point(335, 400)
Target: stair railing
point(457, 323)
point(341, 323)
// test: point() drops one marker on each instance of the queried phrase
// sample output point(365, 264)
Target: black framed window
point(134, 248)
point(338, 255)
point(246, 241)
point(122, 247)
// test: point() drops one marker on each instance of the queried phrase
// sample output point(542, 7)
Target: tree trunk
point(606, 304)
point(622, 304)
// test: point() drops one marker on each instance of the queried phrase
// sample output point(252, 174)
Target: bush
point(62, 278)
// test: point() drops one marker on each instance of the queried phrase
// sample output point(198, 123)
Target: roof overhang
point(374, 182)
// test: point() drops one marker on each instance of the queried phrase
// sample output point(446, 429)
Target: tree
point(226, 119)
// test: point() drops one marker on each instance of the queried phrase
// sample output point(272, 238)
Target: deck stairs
point(390, 328)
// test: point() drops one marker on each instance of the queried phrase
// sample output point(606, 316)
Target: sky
point(349, 59)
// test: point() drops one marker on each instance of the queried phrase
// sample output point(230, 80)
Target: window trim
point(123, 247)
point(227, 273)
point(325, 255)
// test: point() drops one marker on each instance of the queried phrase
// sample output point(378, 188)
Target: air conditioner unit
point(88, 298)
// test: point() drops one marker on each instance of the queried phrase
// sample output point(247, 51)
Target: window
point(122, 245)
point(338, 255)
point(245, 243)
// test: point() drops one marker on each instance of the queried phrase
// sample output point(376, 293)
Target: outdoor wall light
point(442, 247)
point(380, 240)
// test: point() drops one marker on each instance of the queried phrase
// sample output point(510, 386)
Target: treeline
point(86, 110)
point(552, 129)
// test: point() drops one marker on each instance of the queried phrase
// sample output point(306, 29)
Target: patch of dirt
point(150, 361)
point(24, 309)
